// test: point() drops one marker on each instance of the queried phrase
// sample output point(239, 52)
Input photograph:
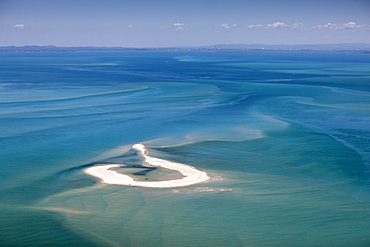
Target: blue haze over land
point(284, 136)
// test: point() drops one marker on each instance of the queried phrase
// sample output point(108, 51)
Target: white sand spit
point(107, 176)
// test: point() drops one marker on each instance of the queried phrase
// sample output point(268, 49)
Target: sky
point(168, 23)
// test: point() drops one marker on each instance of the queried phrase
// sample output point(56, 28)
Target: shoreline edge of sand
point(191, 175)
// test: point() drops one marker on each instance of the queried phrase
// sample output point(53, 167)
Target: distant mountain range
point(226, 47)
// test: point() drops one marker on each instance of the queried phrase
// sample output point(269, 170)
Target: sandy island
point(107, 176)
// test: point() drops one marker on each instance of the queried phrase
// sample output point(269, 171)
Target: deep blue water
point(285, 137)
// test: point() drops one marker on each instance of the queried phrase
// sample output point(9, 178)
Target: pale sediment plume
point(107, 176)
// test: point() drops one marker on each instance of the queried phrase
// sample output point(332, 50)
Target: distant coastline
point(361, 47)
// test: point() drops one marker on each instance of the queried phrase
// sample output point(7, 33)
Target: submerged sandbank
point(107, 176)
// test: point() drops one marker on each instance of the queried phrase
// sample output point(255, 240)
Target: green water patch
point(292, 152)
point(106, 213)
point(299, 67)
point(34, 227)
point(354, 82)
point(261, 210)
point(32, 191)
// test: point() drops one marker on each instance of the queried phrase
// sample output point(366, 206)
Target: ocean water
point(284, 136)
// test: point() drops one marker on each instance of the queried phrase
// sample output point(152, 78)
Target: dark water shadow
point(69, 179)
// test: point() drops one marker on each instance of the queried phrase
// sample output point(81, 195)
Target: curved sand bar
point(191, 175)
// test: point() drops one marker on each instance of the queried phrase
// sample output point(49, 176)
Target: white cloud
point(20, 26)
point(225, 25)
point(130, 26)
point(255, 26)
point(326, 26)
point(297, 25)
point(273, 25)
point(276, 25)
point(350, 25)
point(330, 26)
point(179, 26)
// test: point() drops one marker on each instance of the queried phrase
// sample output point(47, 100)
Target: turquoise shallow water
point(285, 137)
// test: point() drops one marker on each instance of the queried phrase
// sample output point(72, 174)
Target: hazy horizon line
point(218, 47)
